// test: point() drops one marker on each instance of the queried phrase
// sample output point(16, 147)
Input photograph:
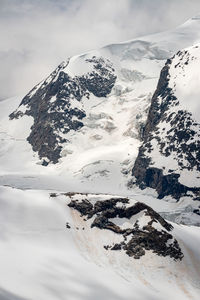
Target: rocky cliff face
point(171, 139)
point(56, 107)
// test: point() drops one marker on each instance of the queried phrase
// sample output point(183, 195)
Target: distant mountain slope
point(55, 105)
point(169, 158)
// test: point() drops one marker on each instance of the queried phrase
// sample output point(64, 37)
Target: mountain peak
point(87, 120)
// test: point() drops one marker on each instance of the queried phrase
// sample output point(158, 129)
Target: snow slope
point(42, 259)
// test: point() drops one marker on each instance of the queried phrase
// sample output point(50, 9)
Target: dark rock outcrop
point(152, 239)
point(137, 239)
point(84, 207)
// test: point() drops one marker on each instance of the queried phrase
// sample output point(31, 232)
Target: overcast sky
point(36, 35)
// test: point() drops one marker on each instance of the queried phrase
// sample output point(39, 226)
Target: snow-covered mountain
point(84, 157)
point(169, 158)
point(74, 95)
point(87, 119)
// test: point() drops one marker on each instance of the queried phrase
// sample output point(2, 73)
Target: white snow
point(187, 80)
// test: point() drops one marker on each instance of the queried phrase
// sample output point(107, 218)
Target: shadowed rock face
point(55, 105)
point(152, 234)
point(181, 139)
